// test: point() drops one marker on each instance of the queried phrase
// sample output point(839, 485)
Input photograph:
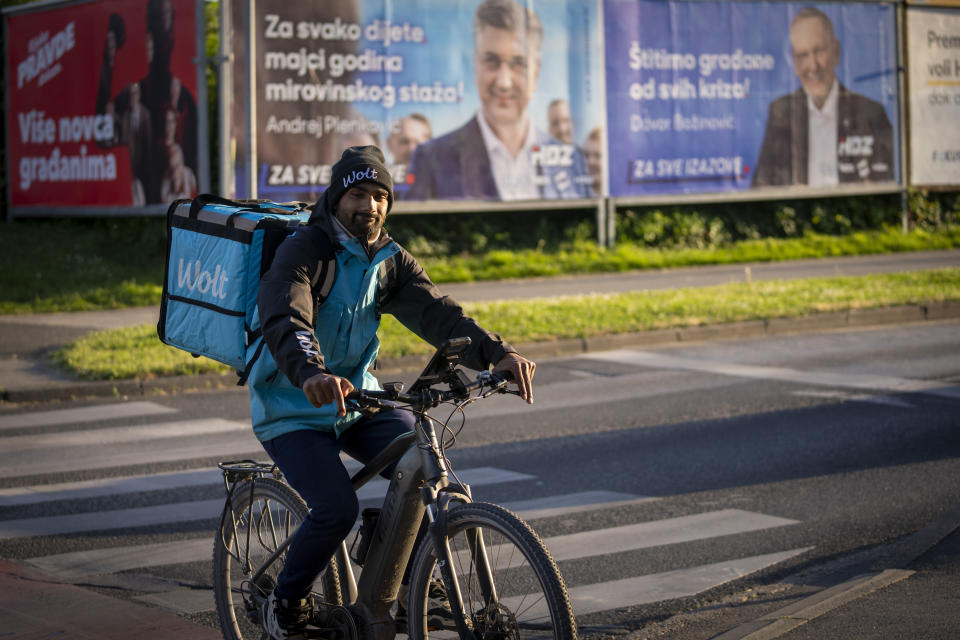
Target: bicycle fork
point(438, 506)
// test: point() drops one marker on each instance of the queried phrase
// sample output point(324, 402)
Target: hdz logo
point(553, 155)
point(856, 146)
point(194, 278)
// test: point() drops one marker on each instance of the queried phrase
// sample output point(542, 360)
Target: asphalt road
point(687, 488)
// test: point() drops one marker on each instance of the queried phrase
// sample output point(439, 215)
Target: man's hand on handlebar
point(522, 371)
point(326, 388)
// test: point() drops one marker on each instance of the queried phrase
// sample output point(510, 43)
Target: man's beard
point(363, 227)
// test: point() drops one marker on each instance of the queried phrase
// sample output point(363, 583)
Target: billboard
point(101, 104)
point(933, 40)
point(726, 96)
point(469, 99)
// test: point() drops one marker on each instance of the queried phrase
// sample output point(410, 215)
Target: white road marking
point(120, 435)
point(129, 454)
point(208, 509)
point(658, 586)
point(889, 401)
point(839, 379)
point(645, 535)
point(82, 414)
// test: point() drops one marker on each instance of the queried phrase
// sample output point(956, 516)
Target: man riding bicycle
point(319, 351)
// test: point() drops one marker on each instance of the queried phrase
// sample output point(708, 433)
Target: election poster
point(933, 40)
point(102, 107)
point(469, 99)
point(709, 97)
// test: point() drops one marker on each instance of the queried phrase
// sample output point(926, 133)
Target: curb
point(891, 567)
point(833, 321)
point(789, 618)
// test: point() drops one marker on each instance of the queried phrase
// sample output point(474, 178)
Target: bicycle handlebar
point(363, 399)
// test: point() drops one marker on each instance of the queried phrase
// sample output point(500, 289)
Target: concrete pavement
point(908, 590)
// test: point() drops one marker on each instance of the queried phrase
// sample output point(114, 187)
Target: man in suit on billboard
point(499, 154)
point(823, 134)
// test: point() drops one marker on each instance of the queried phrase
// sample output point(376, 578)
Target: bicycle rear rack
point(235, 471)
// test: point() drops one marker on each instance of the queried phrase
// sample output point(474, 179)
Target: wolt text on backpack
point(217, 250)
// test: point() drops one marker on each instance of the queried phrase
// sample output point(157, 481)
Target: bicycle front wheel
point(510, 585)
point(264, 513)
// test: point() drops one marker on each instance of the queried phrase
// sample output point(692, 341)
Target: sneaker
point(283, 619)
point(439, 615)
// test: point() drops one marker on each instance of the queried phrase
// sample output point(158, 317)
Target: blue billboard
point(724, 96)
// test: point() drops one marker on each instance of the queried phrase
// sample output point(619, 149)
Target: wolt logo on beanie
point(359, 164)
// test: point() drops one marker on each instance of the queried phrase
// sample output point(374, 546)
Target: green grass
point(76, 265)
point(80, 265)
point(137, 352)
point(590, 258)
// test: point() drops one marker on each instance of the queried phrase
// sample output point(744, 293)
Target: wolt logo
point(193, 278)
point(358, 175)
point(305, 340)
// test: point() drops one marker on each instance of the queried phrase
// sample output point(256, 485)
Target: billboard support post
point(203, 120)
point(225, 86)
point(601, 216)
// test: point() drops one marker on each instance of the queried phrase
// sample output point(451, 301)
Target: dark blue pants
point(310, 460)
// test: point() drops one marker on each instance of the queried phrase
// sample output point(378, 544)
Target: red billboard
point(102, 107)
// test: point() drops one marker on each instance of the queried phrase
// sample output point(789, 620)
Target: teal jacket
point(339, 336)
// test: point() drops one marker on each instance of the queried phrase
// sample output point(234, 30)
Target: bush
point(721, 224)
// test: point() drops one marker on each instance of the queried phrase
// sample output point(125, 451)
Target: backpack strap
point(321, 285)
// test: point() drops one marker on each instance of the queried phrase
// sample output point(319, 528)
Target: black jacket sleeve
point(413, 299)
point(286, 304)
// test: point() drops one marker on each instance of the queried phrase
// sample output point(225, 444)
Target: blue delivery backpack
point(217, 250)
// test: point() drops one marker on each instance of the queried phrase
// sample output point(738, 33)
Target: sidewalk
point(909, 592)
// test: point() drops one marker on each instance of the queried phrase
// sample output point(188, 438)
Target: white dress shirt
point(822, 140)
point(514, 176)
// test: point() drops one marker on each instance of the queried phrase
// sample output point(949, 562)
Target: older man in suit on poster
point(823, 134)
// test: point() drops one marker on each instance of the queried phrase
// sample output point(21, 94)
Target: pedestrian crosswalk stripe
point(115, 559)
point(197, 510)
point(570, 503)
point(82, 414)
point(586, 599)
point(657, 587)
point(120, 435)
point(839, 379)
point(100, 487)
point(577, 393)
point(121, 485)
point(645, 535)
point(567, 547)
point(31, 463)
point(119, 519)
point(845, 396)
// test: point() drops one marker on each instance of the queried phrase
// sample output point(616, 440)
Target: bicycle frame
point(419, 485)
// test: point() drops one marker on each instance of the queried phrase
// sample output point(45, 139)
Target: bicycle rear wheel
point(510, 585)
point(250, 532)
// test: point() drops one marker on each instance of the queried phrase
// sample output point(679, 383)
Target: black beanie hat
point(359, 164)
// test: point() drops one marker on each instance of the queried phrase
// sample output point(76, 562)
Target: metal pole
point(252, 96)
point(904, 116)
point(602, 222)
point(611, 223)
point(228, 185)
point(203, 120)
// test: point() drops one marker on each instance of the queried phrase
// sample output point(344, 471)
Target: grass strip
point(137, 352)
point(591, 258)
point(78, 274)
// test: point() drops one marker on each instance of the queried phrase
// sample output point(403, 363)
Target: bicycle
point(498, 579)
